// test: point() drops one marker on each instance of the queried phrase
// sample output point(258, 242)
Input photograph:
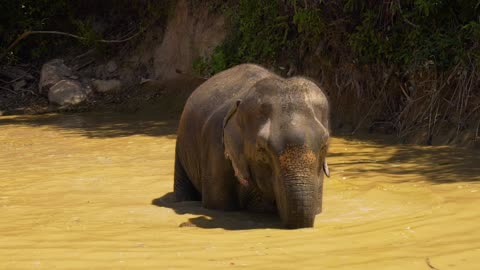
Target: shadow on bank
point(211, 219)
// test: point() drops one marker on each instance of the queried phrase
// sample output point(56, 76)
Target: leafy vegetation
point(411, 34)
point(263, 31)
point(410, 64)
point(92, 20)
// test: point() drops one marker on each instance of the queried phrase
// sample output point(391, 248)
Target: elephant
point(250, 139)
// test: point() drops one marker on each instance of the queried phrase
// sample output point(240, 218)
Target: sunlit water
point(76, 192)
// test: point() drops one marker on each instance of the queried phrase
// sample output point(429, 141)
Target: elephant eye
point(265, 109)
point(261, 149)
point(261, 153)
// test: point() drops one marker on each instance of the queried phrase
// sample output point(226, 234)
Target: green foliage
point(410, 34)
point(366, 41)
point(90, 19)
point(262, 31)
point(260, 34)
point(421, 31)
point(309, 25)
point(207, 66)
point(29, 14)
point(20, 16)
point(85, 29)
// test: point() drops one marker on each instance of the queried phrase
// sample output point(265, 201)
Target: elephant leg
point(253, 200)
point(219, 196)
point(182, 186)
point(219, 186)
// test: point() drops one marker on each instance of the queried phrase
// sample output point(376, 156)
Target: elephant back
point(224, 88)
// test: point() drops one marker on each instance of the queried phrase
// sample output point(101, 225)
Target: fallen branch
point(84, 65)
point(7, 89)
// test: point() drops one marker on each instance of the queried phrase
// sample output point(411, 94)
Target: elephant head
point(276, 138)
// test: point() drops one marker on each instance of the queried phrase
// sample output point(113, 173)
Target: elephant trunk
point(298, 205)
point(297, 186)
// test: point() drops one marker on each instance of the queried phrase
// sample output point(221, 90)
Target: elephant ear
point(233, 145)
point(227, 118)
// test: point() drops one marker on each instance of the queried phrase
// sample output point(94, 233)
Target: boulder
point(111, 66)
point(67, 92)
point(104, 86)
point(52, 72)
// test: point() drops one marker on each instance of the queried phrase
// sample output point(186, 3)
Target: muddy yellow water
point(76, 192)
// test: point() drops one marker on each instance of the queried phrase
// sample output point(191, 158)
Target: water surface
point(76, 192)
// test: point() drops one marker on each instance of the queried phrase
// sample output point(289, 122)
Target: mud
point(76, 192)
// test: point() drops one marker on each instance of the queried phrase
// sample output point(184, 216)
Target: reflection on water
point(76, 192)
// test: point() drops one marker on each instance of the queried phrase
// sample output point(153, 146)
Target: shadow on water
point(102, 125)
point(439, 164)
point(156, 117)
point(210, 219)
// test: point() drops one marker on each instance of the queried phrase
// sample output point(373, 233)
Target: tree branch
point(28, 33)
point(404, 18)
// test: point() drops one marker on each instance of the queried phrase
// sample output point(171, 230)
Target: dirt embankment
point(152, 68)
point(156, 69)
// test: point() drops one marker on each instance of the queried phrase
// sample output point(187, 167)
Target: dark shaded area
point(151, 110)
point(92, 20)
point(439, 164)
point(102, 125)
point(210, 219)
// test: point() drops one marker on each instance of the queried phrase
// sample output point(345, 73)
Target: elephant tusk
point(325, 168)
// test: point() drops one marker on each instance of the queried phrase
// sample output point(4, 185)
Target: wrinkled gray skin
point(249, 139)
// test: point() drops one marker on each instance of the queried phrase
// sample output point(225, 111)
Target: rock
point(67, 92)
point(63, 87)
point(99, 71)
point(104, 86)
point(52, 72)
point(111, 66)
